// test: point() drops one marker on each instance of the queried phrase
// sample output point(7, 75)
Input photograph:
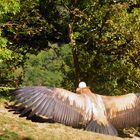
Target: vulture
point(97, 113)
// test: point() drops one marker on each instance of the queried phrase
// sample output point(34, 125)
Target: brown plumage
point(101, 114)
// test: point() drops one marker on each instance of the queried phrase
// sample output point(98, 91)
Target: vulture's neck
point(85, 90)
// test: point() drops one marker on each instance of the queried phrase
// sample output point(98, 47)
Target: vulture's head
point(82, 88)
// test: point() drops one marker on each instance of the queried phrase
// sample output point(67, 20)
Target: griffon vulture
point(101, 114)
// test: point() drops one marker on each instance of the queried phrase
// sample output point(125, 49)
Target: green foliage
point(111, 47)
point(106, 35)
point(4, 92)
point(7, 8)
point(52, 67)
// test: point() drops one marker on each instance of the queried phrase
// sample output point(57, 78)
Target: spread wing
point(65, 107)
point(123, 111)
point(55, 103)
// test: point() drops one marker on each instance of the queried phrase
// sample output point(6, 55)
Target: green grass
point(9, 135)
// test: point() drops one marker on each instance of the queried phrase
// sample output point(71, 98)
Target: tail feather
point(106, 128)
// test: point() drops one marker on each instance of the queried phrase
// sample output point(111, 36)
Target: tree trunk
point(75, 55)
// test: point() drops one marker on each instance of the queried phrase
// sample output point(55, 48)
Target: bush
point(4, 92)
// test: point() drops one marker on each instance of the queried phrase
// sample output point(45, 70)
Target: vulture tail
point(106, 128)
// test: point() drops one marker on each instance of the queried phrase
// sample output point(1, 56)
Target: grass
point(9, 136)
point(13, 127)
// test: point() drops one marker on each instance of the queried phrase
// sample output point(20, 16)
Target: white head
point(82, 85)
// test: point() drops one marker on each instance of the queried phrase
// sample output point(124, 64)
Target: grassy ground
point(13, 127)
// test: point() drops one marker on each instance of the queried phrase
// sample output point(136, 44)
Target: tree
point(113, 45)
point(7, 8)
point(104, 37)
point(52, 67)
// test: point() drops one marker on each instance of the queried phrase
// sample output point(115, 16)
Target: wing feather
point(38, 105)
point(65, 107)
point(63, 110)
point(46, 107)
point(32, 106)
point(59, 104)
point(123, 111)
point(31, 102)
point(104, 127)
point(60, 115)
point(41, 107)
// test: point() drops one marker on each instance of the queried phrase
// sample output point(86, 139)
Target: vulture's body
point(101, 114)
